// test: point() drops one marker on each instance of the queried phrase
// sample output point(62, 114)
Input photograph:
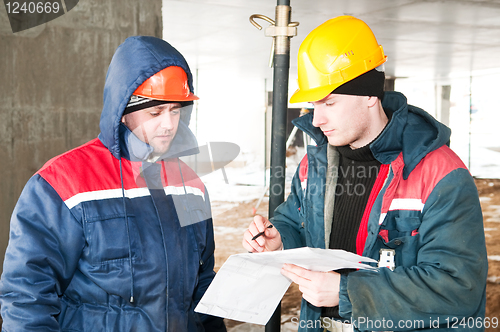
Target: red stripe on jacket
point(363, 227)
point(303, 169)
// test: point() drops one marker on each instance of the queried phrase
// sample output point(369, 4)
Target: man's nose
point(318, 117)
point(166, 121)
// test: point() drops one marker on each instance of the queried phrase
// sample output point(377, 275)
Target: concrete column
point(52, 84)
point(443, 93)
point(389, 84)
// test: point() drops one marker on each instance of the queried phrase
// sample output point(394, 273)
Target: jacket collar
point(133, 149)
point(411, 131)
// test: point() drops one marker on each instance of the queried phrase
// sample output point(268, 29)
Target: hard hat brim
point(189, 97)
point(312, 95)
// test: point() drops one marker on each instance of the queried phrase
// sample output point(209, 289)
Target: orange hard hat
point(169, 84)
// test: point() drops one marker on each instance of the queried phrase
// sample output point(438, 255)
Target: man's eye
point(329, 104)
point(175, 111)
point(154, 113)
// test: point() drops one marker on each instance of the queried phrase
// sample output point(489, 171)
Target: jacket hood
point(134, 61)
point(411, 131)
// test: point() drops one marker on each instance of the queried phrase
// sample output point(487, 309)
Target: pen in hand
point(261, 233)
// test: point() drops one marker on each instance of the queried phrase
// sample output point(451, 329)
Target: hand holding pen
point(261, 236)
point(262, 233)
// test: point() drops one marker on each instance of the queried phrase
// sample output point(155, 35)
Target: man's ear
point(372, 101)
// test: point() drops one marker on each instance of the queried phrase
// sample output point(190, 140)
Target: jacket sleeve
point(44, 247)
point(206, 275)
point(449, 277)
point(287, 217)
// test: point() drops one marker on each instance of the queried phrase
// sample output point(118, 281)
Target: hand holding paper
point(248, 287)
point(318, 288)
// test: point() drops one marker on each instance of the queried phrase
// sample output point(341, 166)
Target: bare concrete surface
point(52, 85)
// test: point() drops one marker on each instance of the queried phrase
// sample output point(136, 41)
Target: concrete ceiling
point(422, 38)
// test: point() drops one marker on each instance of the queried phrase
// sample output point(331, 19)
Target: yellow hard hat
point(334, 53)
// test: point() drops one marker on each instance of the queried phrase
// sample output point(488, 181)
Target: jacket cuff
point(345, 306)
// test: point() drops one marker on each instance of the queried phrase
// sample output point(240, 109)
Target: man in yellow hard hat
point(383, 183)
point(117, 234)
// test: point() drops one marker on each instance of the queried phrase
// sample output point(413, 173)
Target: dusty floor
point(489, 193)
point(230, 225)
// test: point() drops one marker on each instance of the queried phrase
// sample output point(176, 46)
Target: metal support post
point(281, 30)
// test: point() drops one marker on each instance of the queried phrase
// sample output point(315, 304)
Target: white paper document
point(248, 287)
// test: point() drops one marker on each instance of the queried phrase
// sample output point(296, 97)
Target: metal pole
point(265, 132)
point(278, 138)
point(281, 30)
point(470, 123)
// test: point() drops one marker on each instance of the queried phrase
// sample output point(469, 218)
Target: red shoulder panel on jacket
point(422, 180)
point(91, 168)
point(83, 169)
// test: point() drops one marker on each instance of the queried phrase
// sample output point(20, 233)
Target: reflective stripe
point(129, 193)
point(184, 191)
point(382, 217)
point(406, 204)
point(304, 184)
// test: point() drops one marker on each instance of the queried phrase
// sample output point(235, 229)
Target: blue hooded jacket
point(102, 239)
point(427, 211)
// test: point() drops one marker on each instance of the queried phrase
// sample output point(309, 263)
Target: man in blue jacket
point(383, 183)
point(117, 235)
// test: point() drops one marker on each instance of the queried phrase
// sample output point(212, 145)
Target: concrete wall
point(51, 82)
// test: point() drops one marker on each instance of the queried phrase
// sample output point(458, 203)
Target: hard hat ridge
point(169, 84)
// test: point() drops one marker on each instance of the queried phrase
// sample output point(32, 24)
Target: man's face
point(155, 125)
point(344, 119)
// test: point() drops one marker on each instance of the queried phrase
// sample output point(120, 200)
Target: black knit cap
point(370, 83)
point(137, 103)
